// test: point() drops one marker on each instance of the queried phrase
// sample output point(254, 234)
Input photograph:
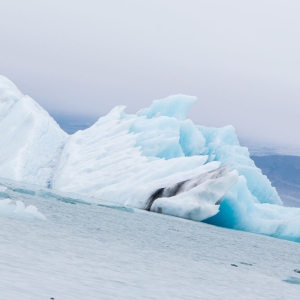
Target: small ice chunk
point(19, 209)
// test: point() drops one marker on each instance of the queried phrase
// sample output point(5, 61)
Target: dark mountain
point(284, 173)
point(71, 123)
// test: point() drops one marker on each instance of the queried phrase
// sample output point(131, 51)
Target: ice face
point(30, 139)
point(222, 145)
point(126, 158)
point(185, 186)
point(238, 210)
point(199, 202)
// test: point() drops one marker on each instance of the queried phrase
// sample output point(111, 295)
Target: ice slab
point(20, 210)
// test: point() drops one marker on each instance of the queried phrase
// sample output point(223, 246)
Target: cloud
point(240, 59)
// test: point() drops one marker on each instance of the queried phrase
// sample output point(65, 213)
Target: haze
point(240, 58)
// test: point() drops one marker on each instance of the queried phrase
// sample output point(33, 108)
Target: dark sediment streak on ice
point(185, 185)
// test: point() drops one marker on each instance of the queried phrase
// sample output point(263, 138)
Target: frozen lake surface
point(97, 252)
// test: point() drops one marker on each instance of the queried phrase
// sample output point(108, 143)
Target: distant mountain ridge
point(261, 149)
point(72, 123)
point(284, 173)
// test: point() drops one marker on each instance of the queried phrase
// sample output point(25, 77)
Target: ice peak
point(5, 83)
point(9, 95)
point(117, 111)
point(176, 106)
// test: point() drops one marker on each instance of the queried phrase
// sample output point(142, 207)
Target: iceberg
point(155, 160)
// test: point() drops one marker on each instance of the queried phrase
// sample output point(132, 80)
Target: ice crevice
point(186, 185)
point(155, 160)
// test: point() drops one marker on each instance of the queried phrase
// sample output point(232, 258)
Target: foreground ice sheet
point(130, 159)
point(95, 252)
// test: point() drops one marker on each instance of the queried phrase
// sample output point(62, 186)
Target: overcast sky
point(240, 58)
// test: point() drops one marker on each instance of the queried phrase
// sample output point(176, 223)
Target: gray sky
point(240, 58)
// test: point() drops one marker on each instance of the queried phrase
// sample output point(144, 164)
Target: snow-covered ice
point(30, 139)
